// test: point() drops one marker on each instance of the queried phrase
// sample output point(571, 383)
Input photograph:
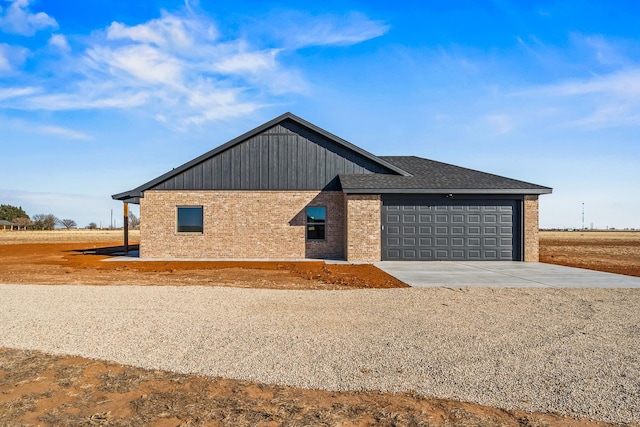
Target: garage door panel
point(490, 242)
point(457, 241)
point(425, 241)
point(461, 230)
point(474, 254)
point(490, 231)
point(408, 218)
point(442, 254)
point(409, 254)
point(425, 230)
point(490, 219)
point(491, 254)
point(409, 229)
point(442, 219)
point(442, 241)
point(473, 241)
point(425, 218)
point(393, 241)
point(458, 254)
point(393, 219)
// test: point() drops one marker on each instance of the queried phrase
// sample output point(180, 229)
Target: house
point(289, 189)
point(4, 224)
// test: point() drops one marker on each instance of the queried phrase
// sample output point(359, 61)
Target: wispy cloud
point(28, 127)
point(333, 30)
point(60, 42)
point(17, 91)
point(596, 102)
point(177, 68)
point(624, 84)
point(498, 124)
point(11, 57)
point(18, 19)
point(63, 132)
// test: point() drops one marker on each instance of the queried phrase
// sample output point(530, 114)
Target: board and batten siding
point(286, 156)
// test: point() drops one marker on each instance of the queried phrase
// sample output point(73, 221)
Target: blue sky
point(99, 97)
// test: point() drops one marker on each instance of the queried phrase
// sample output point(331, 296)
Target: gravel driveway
point(573, 351)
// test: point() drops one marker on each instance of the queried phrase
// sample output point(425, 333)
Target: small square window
point(316, 222)
point(190, 219)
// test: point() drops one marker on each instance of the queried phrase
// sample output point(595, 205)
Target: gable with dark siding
point(286, 153)
point(286, 156)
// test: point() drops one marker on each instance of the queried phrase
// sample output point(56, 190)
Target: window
point(316, 222)
point(190, 219)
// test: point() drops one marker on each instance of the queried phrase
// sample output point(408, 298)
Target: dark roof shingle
point(430, 176)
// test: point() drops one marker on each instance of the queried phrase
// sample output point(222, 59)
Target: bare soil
point(82, 263)
point(610, 251)
point(45, 390)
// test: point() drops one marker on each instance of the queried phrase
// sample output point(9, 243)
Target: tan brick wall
point(363, 227)
point(240, 224)
point(531, 228)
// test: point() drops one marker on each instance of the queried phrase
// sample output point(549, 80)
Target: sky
point(99, 97)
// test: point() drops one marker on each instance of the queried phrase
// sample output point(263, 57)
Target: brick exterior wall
point(241, 224)
point(363, 227)
point(531, 229)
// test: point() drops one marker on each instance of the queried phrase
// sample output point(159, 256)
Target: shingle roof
point(5, 222)
point(429, 176)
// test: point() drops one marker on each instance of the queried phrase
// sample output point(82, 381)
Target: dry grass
point(66, 236)
point(610, 251)
point(590, 235)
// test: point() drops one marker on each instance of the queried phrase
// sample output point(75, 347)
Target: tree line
point(19, 218)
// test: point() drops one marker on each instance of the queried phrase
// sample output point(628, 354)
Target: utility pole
point(111, 226)
point(583, 215)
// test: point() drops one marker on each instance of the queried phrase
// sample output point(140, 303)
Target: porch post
point(126, 227)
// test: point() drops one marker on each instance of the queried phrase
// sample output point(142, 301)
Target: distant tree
point(9, 213)
point(134, 221)
point(22, 222)
point(44, 222)
point(92, 226)
point(67, 223)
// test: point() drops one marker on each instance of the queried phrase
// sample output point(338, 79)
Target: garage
point(424, 228)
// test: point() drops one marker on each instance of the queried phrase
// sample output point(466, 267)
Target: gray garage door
point(418, 228)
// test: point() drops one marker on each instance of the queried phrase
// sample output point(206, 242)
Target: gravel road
point(572, 351)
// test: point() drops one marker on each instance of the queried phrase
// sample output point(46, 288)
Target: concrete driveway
point(502, 274)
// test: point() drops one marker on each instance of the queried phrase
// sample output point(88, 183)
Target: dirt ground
point(81, 263)
point(45, 390)
point(611, 251)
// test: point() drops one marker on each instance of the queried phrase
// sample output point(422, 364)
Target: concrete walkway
point(502, 274)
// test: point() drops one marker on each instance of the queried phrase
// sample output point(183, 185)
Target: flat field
point(66, 236)
point(52, 390)
point(611, 251)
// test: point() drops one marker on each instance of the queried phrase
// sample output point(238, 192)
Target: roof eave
point(132, 196)
point(538, 191)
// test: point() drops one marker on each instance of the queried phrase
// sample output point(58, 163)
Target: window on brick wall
point(316, 222)
point(189, 219)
